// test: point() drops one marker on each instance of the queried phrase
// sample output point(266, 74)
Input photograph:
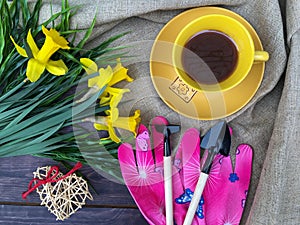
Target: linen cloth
point(269, 122)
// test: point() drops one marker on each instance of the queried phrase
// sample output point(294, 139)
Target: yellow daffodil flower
point(120, 74)
point(128, 123)
point(103, 75)
point(107, 76)
point(41, 57)
point(95, 83)
point(89, 66)
point(112, 96)
point(113, 120)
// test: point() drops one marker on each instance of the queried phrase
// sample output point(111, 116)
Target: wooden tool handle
point(168, 190)
point(195, 200)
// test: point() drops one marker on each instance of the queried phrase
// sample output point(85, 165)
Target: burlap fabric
point(269, 122)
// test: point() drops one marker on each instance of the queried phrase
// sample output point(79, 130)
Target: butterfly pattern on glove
point(187, 197)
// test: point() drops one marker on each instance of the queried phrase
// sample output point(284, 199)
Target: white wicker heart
point(64, 197)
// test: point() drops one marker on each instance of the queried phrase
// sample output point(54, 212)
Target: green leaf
point(26, 111)
point(34, 18)
point(11, 134)
point(96, 54)
point(30, 125)
point(4, 106)
point(19, 149)
point(15, 14)
point(25, 11)
point(15, 93)
point(78, 108)
point(8, 18)
point(46, 135)
point(11, 91)
point(65, 18)
point(2, 42)
point(87, 34)
point(57, 15)
point(11, 112)
point(69, 56)
point(26, 139)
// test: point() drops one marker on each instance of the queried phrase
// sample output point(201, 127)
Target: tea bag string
point(49, 178)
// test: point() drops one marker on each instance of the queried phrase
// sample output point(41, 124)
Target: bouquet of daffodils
point(50, 88)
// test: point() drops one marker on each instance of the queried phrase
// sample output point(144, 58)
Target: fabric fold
point(278, 192)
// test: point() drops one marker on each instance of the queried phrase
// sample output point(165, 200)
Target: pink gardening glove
point(225, 192)
point(226, 198)
point(143, 174)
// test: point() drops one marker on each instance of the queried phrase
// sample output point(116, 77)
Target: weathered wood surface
point(37, 215)
point(112, 205)
point(16, 172)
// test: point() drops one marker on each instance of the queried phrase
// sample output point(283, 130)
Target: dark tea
point(209, 57)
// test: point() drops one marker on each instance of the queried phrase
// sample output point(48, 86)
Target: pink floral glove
point(227, 189)
point(225, 193)
point(143, 172)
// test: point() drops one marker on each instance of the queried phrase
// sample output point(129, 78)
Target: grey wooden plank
point(37, 215)
point(16, 172)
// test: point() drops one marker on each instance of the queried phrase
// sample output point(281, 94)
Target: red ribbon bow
point(49, 178)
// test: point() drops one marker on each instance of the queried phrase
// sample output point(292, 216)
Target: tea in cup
point(215, 53)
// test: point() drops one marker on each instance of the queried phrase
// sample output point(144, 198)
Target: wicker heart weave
point(64, 197)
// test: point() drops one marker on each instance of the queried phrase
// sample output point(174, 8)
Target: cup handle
point(261, 56)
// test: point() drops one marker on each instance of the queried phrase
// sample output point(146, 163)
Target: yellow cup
point(233, 30)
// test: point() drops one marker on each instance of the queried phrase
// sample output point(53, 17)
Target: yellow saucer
point(182, 98)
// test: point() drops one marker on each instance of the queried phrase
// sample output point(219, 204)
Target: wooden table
point(112, 205)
